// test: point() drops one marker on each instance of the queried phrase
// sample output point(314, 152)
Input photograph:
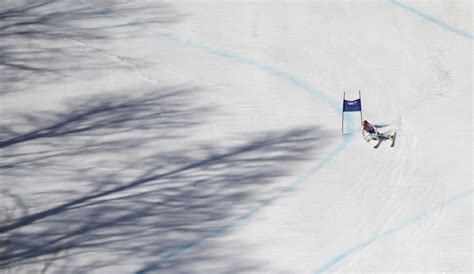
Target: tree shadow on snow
point(48, 40)
point(116, 181)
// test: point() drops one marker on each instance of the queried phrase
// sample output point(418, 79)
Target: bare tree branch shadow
point(123, 180)
point(43, 40)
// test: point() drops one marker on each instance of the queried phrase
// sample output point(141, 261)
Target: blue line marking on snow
point(408, 222)
point(302, 85)
point(250, 213)
point(342, 256)
point(326, 99)
point(295, 81)
point(433, 20)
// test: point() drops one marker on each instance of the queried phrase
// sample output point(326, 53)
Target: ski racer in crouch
point(370, 132)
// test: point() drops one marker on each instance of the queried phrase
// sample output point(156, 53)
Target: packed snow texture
point(205, 136)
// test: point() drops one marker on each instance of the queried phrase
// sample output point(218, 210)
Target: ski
point(378, 143)
point(393, 139)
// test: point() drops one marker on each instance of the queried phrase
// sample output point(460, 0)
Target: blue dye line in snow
point(408, 222)
point(344, 255)
point(299, 83)
point(295, 81)
point(302, 86)
point(433, 20)
point(162, 260)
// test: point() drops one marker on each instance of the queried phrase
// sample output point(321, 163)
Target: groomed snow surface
point(154, 136)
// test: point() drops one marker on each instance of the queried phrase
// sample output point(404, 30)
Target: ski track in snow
point(116, 58)
point(293, 80)
point(324, 98)
point(136, 68)
point(120, 59)
point(331, 264)
point(437, 209)
point(126, 62)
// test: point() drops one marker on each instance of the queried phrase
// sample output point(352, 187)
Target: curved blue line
point(342, 256)
point(251, 212)
point(295, 81)
point(408, 222)
point(433, 20)
point(299, 83)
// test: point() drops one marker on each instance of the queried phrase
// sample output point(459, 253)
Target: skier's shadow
point(381, 125)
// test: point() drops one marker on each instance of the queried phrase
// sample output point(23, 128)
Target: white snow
point(205, 136)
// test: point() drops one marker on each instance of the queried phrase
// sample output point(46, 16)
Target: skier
point(370, 133)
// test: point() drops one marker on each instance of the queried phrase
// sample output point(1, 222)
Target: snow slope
point(205, 137)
